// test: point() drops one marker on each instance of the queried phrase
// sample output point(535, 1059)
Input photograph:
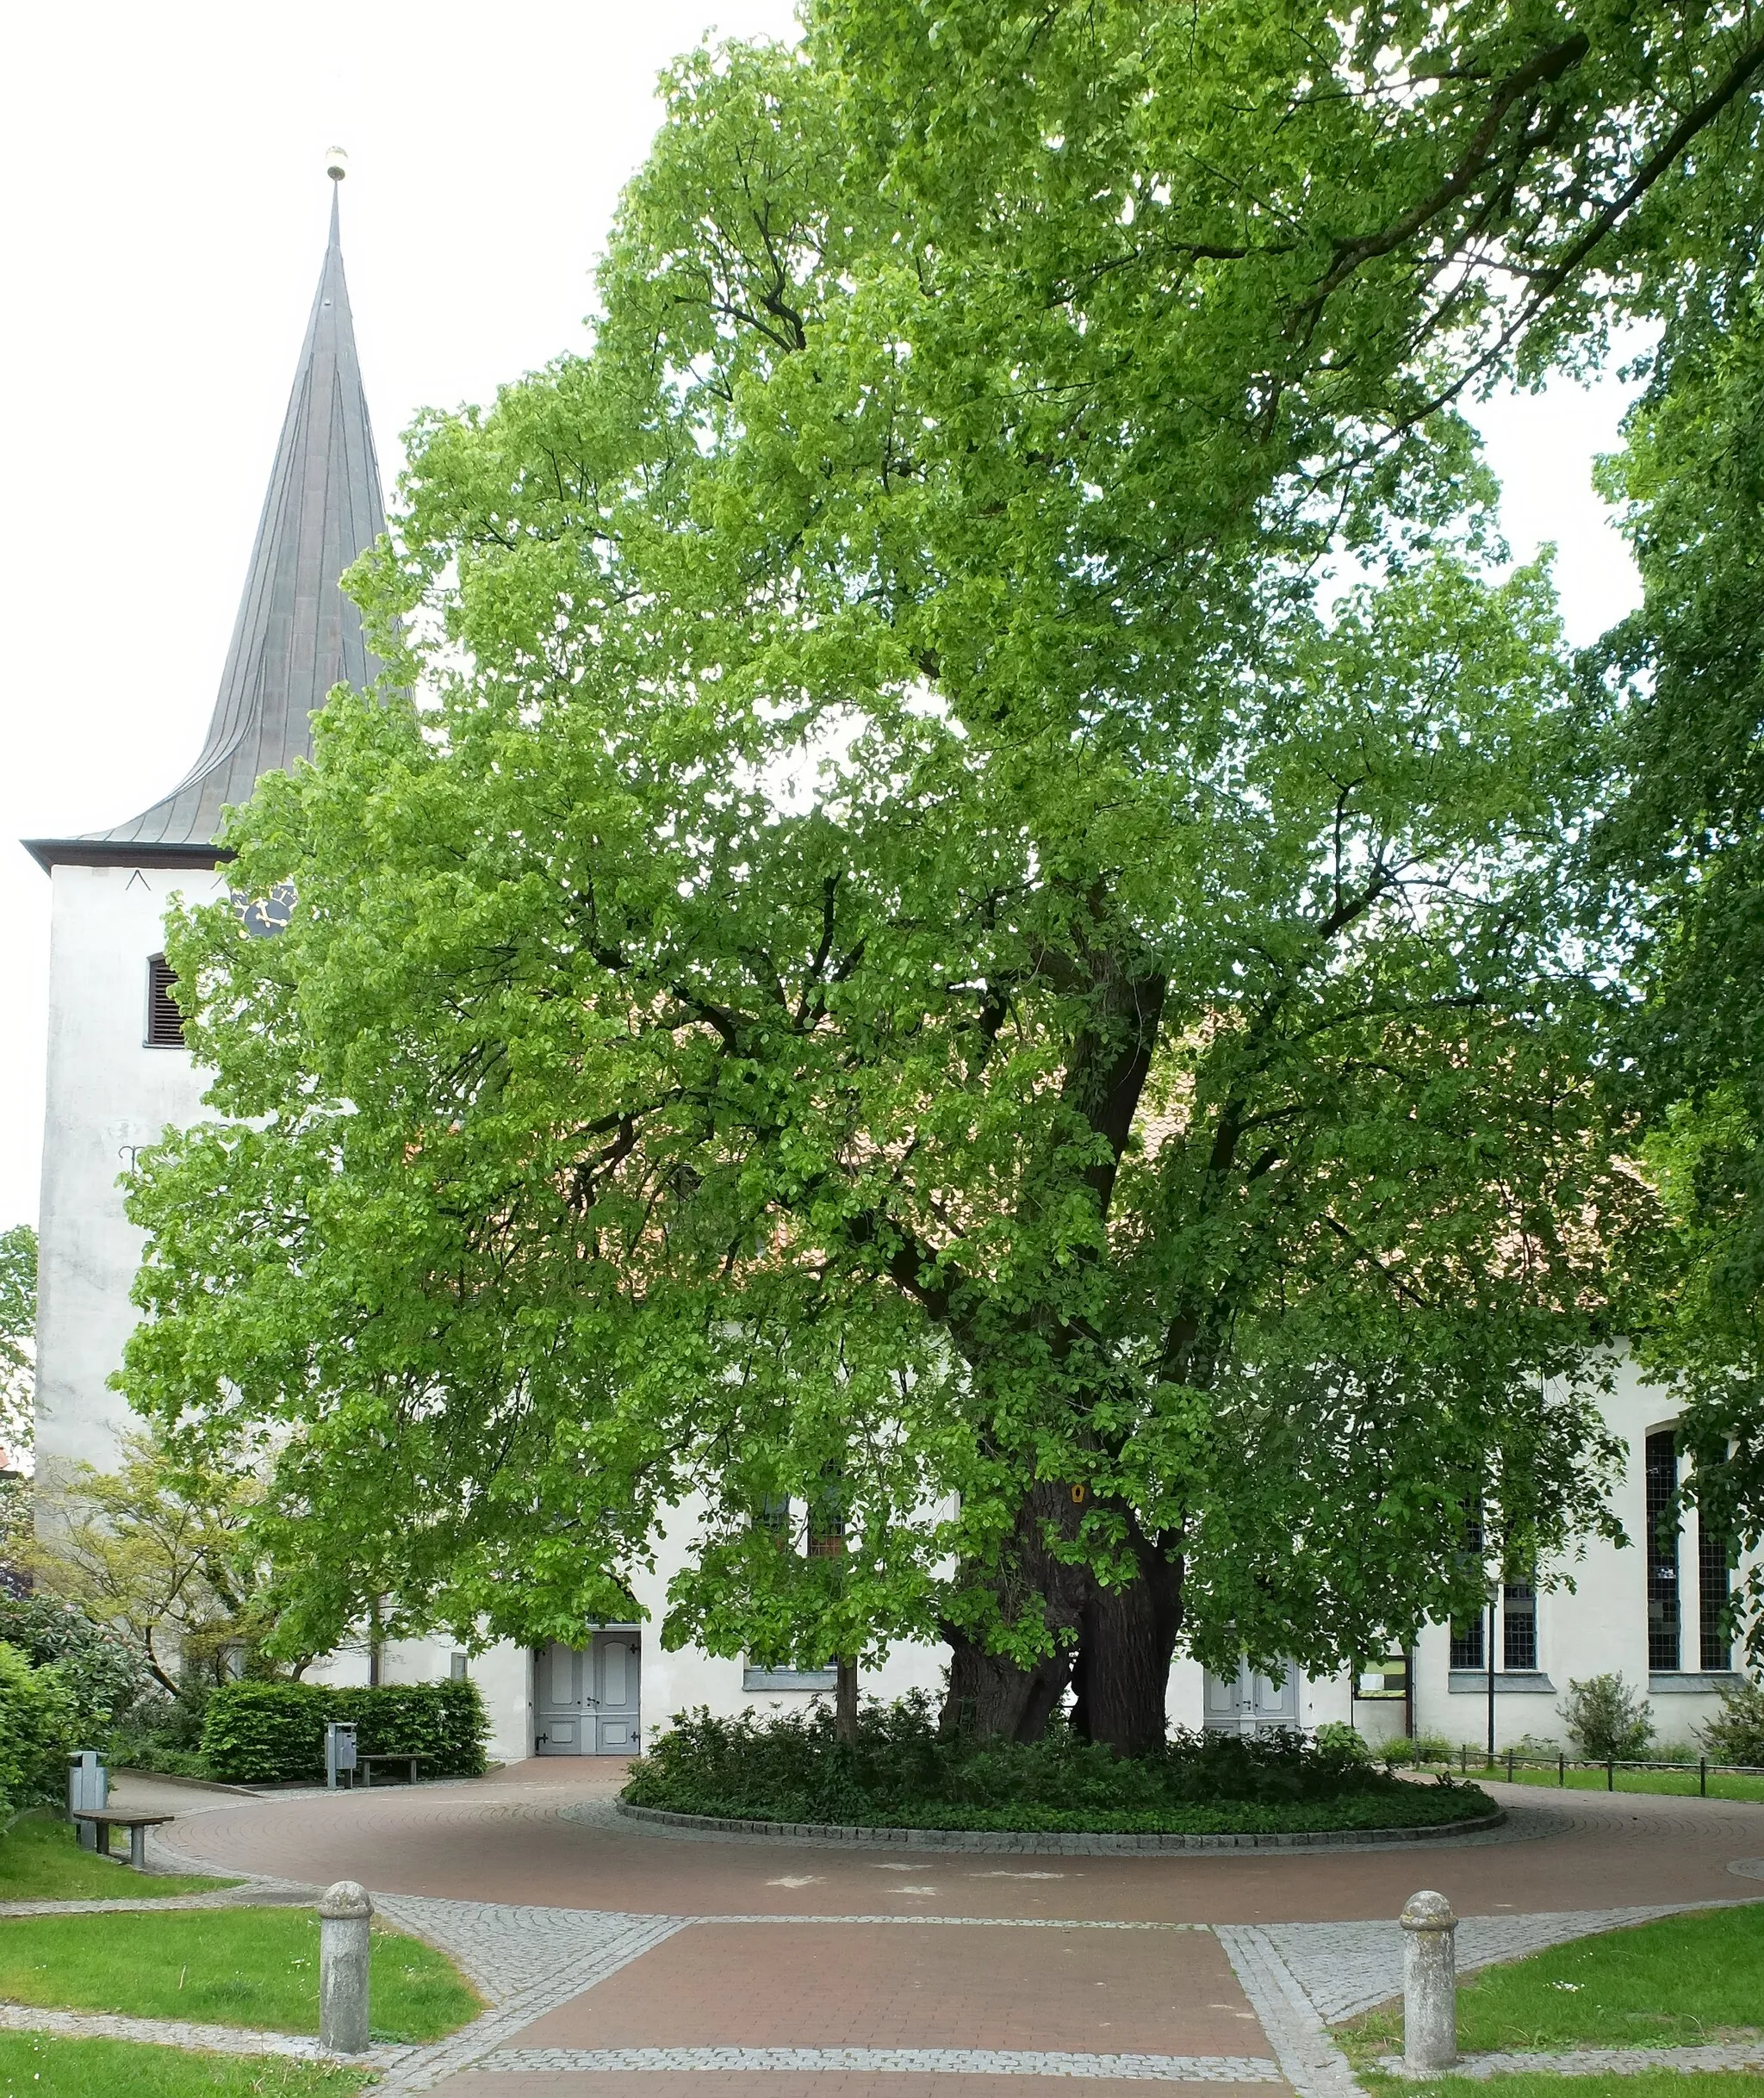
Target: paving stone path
point(652, 1961)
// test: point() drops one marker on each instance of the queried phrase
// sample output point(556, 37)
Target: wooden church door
point(1251, 1702)
point(588, 1700)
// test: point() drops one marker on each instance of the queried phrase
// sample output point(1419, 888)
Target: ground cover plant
point(252, 1967)
point(902, 1774)
point(32, 2066)
point(1680, 1982)
point(40, 1860)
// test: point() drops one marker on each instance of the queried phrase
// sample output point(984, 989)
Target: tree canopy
point(960, 950)
point(1679, 863)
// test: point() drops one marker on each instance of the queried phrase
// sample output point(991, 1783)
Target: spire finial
point(337, 163)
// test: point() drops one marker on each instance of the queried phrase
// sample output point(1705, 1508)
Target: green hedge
point(904, 1773)
point(274, 1733)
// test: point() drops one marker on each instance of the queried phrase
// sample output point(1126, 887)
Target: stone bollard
point(344, 1946)
point(1429, 1982)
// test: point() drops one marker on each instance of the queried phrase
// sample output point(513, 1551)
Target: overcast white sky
point(163, 224)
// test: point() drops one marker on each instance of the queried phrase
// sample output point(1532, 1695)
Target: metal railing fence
point(1516, 1759)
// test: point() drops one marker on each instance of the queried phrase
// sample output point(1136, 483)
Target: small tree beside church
point(160, 1554)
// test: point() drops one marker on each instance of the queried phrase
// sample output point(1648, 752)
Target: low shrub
point(1674, 1752)
point(274, 1733)
point(1420, 1748)
point(902, 1774)
point(163, 1734)
point(1337, 1736)
point(1607, 1721)
point(38, 1716)
point(101, 1672)
point(1736, 1735)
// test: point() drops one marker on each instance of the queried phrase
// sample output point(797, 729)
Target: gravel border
point(1047, 1842)
point(869, 2061)
point(192, 2038)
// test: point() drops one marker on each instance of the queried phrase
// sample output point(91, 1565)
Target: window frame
point(1665, 1592)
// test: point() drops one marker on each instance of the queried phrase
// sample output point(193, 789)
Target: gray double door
point(587, 1696)
point(1251, 1702)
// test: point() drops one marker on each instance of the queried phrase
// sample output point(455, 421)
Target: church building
point(119, 1073)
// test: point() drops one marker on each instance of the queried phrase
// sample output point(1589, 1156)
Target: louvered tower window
point(165, 1021)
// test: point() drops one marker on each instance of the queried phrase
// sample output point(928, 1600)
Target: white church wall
point(672, 1682)
point(107, 1095)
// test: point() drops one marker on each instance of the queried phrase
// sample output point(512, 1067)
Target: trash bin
point(88, 1792)
point(339, 1753)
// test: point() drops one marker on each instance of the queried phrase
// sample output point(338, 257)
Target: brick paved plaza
point(637, 1960)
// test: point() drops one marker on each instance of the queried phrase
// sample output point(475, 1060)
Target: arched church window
point(165, 1021)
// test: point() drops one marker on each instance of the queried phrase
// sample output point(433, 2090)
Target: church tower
point(118, 1072)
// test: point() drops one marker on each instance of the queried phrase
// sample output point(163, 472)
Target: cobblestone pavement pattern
point(618, 1959)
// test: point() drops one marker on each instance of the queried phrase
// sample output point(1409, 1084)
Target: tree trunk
point(845, 1703)
point(1126, 1639)
point(1112, 1646)
point(992, 1699)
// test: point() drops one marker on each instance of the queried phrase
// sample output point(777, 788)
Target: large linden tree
point(941, 972)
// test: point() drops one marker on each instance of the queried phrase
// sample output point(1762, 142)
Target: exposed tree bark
point(991, 1698)
point(1126, 1639)
point(1112, 1646)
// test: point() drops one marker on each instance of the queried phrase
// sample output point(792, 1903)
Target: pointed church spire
point(296, 634)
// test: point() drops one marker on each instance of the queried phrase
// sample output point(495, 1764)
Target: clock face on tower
point(262, 916)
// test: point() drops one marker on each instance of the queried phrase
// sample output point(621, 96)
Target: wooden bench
point(103, 1819)
point(365, 1764)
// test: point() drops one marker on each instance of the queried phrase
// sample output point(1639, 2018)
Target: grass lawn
point(1682, 1982)
point(31, 2067)
point(40, 1860)
point(1680, 1783)
point(1652, 2083)
point(252, 1967)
